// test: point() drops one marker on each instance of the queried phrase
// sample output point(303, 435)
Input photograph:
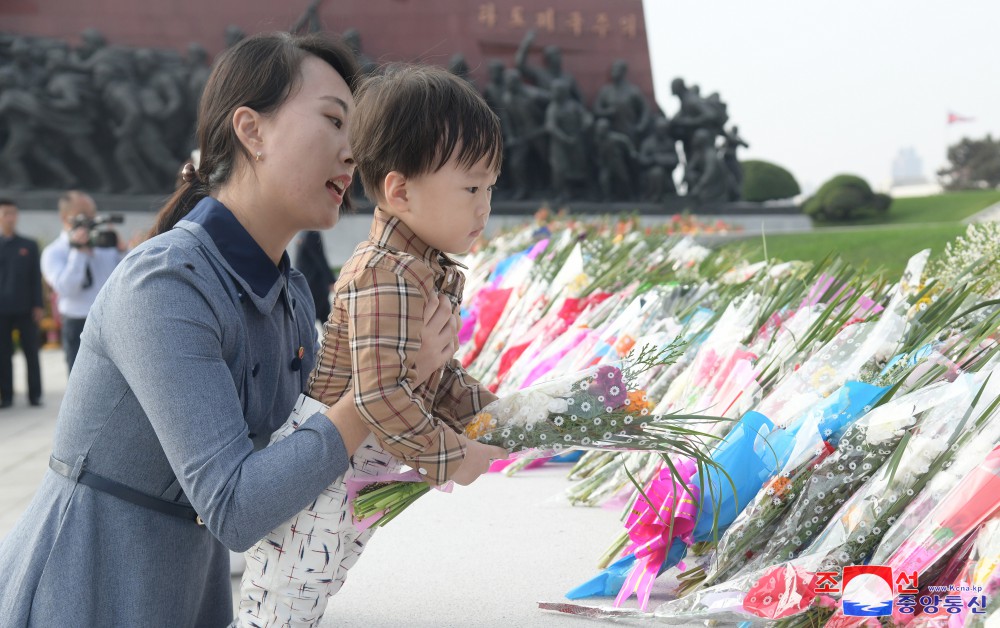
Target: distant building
point(907, 168)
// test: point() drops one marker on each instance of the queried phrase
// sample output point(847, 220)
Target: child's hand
point(438, 339)
point(478, 458)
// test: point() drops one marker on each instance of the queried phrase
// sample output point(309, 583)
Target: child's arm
point(385, 318)
point(460, 396)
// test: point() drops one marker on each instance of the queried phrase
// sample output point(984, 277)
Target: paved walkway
point(991, 213)
point(481, 556)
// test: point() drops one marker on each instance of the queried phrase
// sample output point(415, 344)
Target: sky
point(825, 87)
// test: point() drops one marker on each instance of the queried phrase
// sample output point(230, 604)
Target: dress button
point(256, 369)
point(422, 471)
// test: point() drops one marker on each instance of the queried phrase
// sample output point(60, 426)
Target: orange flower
point(780, 486)
point(638, 401)
point(481, 424)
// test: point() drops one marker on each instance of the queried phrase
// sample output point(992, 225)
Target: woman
point(195, 351)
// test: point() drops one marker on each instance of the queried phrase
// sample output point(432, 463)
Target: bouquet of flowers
point(866, 445)
point(596, 409)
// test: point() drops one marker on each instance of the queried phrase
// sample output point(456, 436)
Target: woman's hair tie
point(188, 173)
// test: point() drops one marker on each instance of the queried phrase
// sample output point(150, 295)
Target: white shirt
point(65, 270)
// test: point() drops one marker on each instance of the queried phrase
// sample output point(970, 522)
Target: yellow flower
point(481, 424)
point(824, 379)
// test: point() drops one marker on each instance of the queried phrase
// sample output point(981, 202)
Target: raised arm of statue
point(521, 56)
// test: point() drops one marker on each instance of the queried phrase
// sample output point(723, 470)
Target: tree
point(972, 164)
point(846, 197)
point(764, 181)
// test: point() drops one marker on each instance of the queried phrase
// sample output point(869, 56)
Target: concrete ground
point(481, 556)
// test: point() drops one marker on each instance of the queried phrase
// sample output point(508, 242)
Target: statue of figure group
point(100, 117)
point(557, 148)
point(116, 119)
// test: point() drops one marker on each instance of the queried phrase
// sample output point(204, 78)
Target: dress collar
point(237, 247)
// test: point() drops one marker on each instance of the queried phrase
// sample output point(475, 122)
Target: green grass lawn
point(947, 207)
point(913, 224)
point(886, 246)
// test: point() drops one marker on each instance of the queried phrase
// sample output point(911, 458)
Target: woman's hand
point(438, 338)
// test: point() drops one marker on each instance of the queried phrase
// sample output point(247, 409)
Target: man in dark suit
point(311, 262)
point(20, 306)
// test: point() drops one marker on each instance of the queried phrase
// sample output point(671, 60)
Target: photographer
point(78, 263)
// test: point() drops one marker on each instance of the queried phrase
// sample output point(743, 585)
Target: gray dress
point(189, 361)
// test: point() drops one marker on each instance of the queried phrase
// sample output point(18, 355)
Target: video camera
point(101, 234)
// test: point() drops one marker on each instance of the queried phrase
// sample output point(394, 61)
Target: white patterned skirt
point(293, 571)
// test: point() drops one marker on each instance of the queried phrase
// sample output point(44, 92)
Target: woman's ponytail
point(189, 191)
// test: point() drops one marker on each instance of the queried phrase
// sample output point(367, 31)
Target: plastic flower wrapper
point(750, 453)
point(966, 455)
point(973, 500)
point(754, 525)
point(591, 409)
point(984, 572)
point(768, 594)
point(823, 373)
point(815, 435)
point(979, 552)
point(865, 446)
point(857, 528)
point(715, 359)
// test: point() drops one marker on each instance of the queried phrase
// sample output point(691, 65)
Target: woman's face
point(306, 163)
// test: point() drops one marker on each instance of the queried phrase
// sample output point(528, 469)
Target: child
point(428, 149)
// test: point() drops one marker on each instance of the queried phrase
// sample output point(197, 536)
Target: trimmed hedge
point(764, 181)
point(846, 197)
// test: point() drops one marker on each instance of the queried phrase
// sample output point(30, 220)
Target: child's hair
point(411, 119)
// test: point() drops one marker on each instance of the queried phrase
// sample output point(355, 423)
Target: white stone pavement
point(991, 213)
point(483, 555)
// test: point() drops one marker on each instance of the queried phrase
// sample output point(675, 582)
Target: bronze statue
point(732, 142)
point(543, 76)
point(694, 114)
point(21, 113)
point(658, 158)
point(71, 109)
point(622, 103)
point(164, 105)
point(567, 122)
point(706, 175)
point(522, 120)
point(309, 21)
point(493, 92)
point(352, 38)
point(615, 158)
point(234, 35)
point(459, 67)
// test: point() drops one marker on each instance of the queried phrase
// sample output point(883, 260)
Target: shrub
point(764, 181)
point(846, 197)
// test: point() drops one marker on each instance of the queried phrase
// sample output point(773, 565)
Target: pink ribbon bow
point(652, 527)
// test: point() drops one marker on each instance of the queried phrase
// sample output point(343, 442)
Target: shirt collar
point(390, 232)
point(237, 247)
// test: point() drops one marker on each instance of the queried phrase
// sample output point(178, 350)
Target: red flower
point(781, 592)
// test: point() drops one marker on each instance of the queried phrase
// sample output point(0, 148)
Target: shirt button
point(422, 471)
point(256, 369)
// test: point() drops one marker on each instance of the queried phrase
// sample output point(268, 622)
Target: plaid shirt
point(375, 323)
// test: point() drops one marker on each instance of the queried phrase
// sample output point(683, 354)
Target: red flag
point(954, 117)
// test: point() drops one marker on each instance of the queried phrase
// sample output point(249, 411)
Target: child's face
point(448, 209)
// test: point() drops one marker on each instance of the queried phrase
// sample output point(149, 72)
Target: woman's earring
point(258, 155)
